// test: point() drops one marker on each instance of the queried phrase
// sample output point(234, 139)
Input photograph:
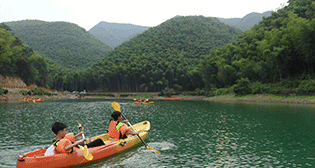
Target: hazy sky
point(88, 13)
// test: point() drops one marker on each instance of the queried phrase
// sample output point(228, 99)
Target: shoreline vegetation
point(251, 98)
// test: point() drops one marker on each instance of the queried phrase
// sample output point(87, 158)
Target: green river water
point(187, 133)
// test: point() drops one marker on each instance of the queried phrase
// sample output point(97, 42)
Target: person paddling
point(66, 143)
point(117, 128)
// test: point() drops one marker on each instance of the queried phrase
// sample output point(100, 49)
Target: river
point(187, 133)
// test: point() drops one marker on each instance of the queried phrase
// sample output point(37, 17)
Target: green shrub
point(289, 83)
point(39, 91)
point(221, 91)
point(24, 92)
point(200, 92)
point(306, 87)
point(36, 91)
point(278, 90)
point(259, 88)
point(3, 91)
point(178, 87)
point(242, 87)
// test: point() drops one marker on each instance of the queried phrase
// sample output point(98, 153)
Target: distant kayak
point(143, 102)
point(37, 159)
point(148, 103)
point(172, 98)
point(38, 101)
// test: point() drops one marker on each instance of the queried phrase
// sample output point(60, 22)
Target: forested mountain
point(277, 54)
point(248, 21)
point(64, 43)
point(113, 34)
point(161, 56)
point(18, 60)
point(189, 53)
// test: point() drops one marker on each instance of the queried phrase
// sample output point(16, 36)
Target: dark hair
point(58, 126)
point(115, 115)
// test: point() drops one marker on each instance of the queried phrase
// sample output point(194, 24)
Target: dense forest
point(162, 56)
point(275, 56)
point(19, 60)
point(159, 57)
point(64, 43)
point(187, 54)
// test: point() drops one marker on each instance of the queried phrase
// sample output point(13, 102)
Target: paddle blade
point(155, 151)
point(86, 153)
point(116, 106)
point(80, 126)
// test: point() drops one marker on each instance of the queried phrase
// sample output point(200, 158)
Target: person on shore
point(117, 128)
point(66, 143)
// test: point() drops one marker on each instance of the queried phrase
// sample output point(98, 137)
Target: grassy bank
point(266, 98)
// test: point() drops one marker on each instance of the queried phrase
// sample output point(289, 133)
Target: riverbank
point(17, 96)
point(266, 98)
point(228, 98)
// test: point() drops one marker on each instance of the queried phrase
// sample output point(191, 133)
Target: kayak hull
point(144, 102)
point(148, 103)
point(36, 158)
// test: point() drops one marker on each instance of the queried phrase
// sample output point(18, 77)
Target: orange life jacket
point(61, 144)
point(117, 129)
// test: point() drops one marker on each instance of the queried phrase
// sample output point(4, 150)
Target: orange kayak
point(38, 101)
point(37, 159)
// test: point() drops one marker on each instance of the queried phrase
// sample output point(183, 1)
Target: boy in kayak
point(117, 128)
point(65, 143)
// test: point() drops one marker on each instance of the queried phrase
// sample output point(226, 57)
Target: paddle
point(116, 107)
point(86, 152)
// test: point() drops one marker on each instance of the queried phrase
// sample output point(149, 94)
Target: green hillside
point(161, 56)
point(64, 43)
point(18, 60)
point(189, 53)
point(276, 56)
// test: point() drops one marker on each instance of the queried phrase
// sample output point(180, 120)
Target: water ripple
point(188, 134)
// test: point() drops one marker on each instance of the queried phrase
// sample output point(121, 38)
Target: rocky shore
point(17, 96)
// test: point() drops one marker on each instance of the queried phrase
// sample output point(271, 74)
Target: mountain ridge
point(162, 56)
point(113, 34)
point(104, 30)
point(65, 43)
point(246, 22)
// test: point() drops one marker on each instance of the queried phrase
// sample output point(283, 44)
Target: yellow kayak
point(148, 103)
